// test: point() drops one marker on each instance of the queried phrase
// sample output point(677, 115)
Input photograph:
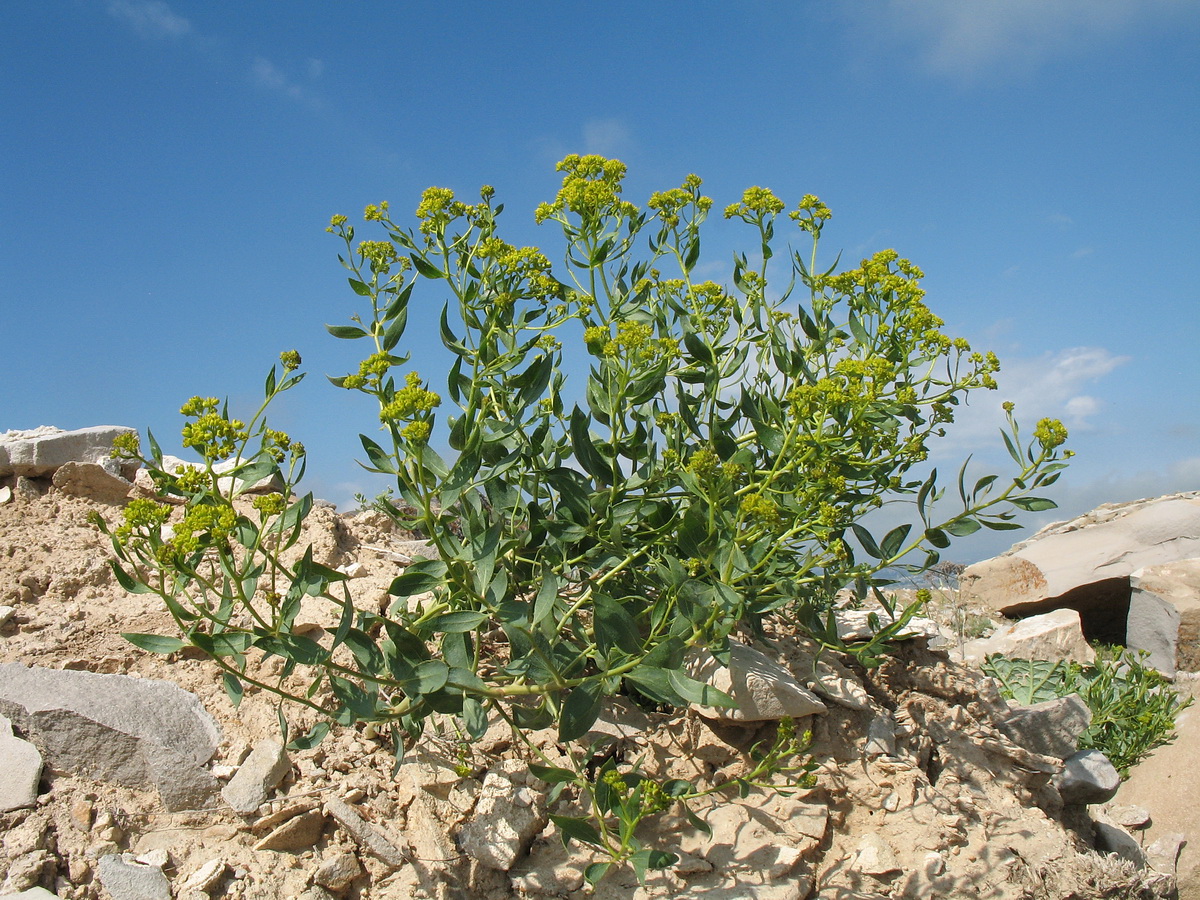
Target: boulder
point(131, 731)
point(762, 688)
point(20, 770)
point(43, 450)
point(1087, 777)
point(102, 482)
point(1085, 564)
point(1051, 728)
point(1164, 615)
point(1053, 636)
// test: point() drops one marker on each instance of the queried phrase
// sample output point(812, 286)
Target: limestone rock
point(338, 871)
point(92, 480)
point(296, 834)
point(20, 770)
point(206, 878)
point(1087, 777)
point(33, 893)
point(1051, 728)
point(855, 624)
point(126, 879)
point(364, 834)
point(506, 819)
point(762, 688)
point(1053, 636)
point(256, 777)
point(41, 451)
point(1112, 838)
point(132, 731)
point(876, 857)
point(1164, 615)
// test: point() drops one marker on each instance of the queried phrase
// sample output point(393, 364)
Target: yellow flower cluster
point(590, 189)
point(521, 271)
point(756, 203)
point(669, 204)
point(213, 434)
point(1050, 433)
point(142, 513)
point(410, 401)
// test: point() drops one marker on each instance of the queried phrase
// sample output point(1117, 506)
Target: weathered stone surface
point(1112, 838)
point(6, 613)
point(506, 819)
point(881, 737)
point(20, 770)
point(364, 834)
point(762, 688)
point(1129, 816)
point(132, 731)
point(855, 624)
point(876, 857)
point(257, 776)
point(296, 834)
point(1164, 615)
point(40, 451)
point(265, 485)
point(29, 870)
point(1107, 544)
point(92, 480)
point(1051, 728)
point(1163, 854)
point(33, 893)
point(206, 878)
point(338, 871)
point(1053, 636)
point(1087, 777)
point(126, 879)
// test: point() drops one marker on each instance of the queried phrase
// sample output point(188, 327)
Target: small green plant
point(1133, 706)
point(594, 529)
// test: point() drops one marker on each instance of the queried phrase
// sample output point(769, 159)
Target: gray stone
point(256, 777)
point(1051, 728)
point(855, 624)
point(338, 871)
point(1052, 636)
point(93, 481)
point(1164, 615)
point(881, 737)
point(1112, 838)
point(1128, 816)
point(367, 837)
point(1087, 777)
point(126, 879)
point(506, 819)
point(41, 451)
point(296, 834)
point(1163, 854)
point(762, 688)
point(132, 731)
point(20, 770)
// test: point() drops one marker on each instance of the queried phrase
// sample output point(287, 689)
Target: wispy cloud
point(150, 18)
point(270, 77)
point(1049, 385)
point(606, 137)
point(1082, 252)
point(965, 39)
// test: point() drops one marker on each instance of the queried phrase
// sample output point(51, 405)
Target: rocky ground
point(919, 792)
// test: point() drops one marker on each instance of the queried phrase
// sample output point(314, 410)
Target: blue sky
point(167, 170)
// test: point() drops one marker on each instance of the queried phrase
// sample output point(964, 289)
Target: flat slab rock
point(130, 731)
point(40, 451)
point(762, 688)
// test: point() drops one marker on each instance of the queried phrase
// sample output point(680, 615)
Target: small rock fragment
point(20, 770)
point(881, 737)
point(207, 877)
point(126, 879)
point(1129, 816)
point(1163, 854)
point(338, 871)
point(296, 834)
point(263, 769)
point(761, 687)
point(875, 857)
point(502, 827)
point(6, 613)
point(365, 835)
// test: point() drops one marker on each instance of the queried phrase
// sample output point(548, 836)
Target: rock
point(1087, 777)
point(93, 481)
point(506, 819)
point(256, 777)
point(297, 833)
point(855, 624)
point(20, 770)
point(1164, 615)
point(41, 451)
point(6, 613)
point(820, 671)
point(1051, 728)
point(266, 485)
point(206, 878)
point(34, 893)
point(6, 495)
point(881, 737)
point(1053, 636)
point(29, 870)
point(876, 857)
point(132, 731)
point(410, 551)
point(338, 872)
point(1131, 817)
point(126, 879)
point(1112, 838)
point(365, 835)
point(1085, 564)
point(1163, 854)
point(761, 687)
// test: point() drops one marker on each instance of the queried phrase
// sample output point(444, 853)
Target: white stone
point(126, 879)
point(256, 777)
point(1053, 636)
point(876, 857)
point(93, 481)
point(206, 877)
point(41, 451)
point(762, 688)
point(338, 871)
point(1164, 615)
point(20, 770)
point(365, 835)
point(1051, 728)
point(6, 613)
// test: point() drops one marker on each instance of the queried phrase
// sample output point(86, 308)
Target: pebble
point(338, 871)
point(299, 833)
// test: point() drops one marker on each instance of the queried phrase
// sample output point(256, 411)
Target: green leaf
point(359, 288)
point(474, 717)
point(126, 580)
point(547, 597)
point(595, 872)
point(868, 542)
point(421, 577)
point(962, 527)
point(585, 451)
point(650, 859)
point(346, 332)
point(233, 688)
point(315, 735)
point(1033, 504)
point(937, 537)
point(614, 626)
point(425, 267)
point(455, 622)
point(698, 692)
point(552, 774)
point(427, 677)
point(155, 643)
point(381, 461)
point(580, 711)
point(893, 541)
point(577, 828)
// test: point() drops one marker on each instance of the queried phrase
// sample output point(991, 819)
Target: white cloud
point(1049, 385)
point(606, 137)
point(966, 38)
point(269, 76)
point(316, 68)
point(150, 18)
point(1082, 252)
